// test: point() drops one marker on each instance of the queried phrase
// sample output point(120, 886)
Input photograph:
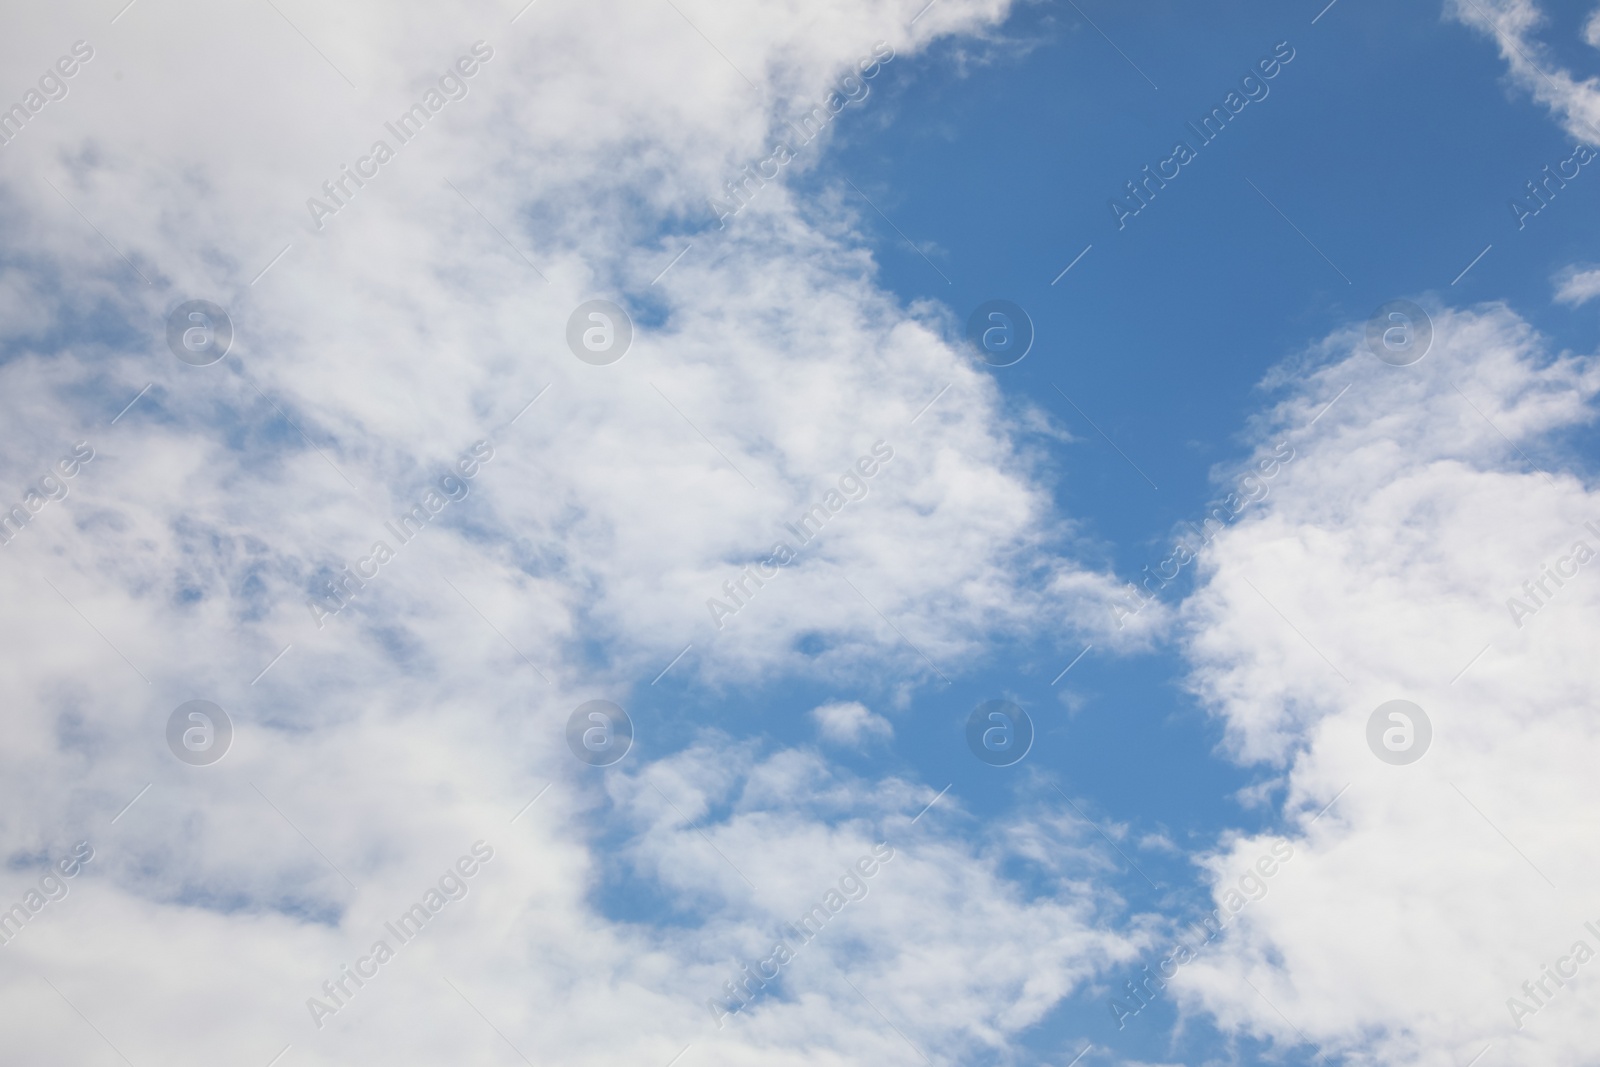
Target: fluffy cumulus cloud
point(850, 723)
point(823, 882)
point(1434, 542)
point(248, 533)
point(1577, 287)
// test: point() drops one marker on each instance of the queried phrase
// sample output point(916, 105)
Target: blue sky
point(585, 553)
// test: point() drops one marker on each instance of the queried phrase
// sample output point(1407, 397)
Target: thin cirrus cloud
point(1513, 24)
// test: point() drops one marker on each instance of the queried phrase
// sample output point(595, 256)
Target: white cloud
point(1577, 287)
point(850, 723)
point(1381, 568)
point(1425, 901)
point(431, 710)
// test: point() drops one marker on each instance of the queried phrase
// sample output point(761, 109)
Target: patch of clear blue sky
point(1391, 141)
